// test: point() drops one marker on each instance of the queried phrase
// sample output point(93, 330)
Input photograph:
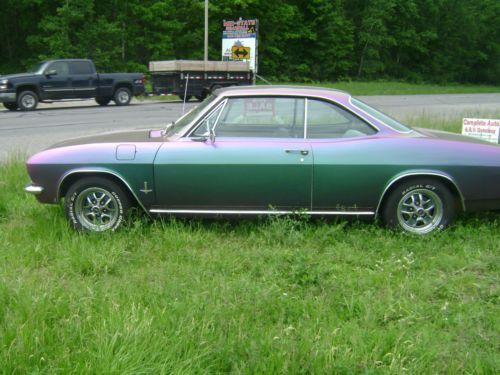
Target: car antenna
point(185, 93)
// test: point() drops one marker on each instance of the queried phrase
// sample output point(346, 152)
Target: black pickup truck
point(67, 79)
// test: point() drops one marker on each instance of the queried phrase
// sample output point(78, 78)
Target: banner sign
point(485, 129)
point(239, 41)
point(240, 29)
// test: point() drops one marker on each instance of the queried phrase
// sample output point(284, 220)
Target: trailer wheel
point(215, 87)
point(181, 97)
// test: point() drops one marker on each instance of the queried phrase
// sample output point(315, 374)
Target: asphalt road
point(28, 132)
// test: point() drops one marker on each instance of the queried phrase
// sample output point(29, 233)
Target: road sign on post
point(239, 41)
point(240, 52)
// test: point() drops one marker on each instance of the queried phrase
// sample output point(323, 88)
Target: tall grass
point(284, 295)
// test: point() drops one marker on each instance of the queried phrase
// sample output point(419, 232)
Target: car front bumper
point(7, 97)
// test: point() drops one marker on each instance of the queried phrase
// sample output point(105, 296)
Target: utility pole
point(206, 33)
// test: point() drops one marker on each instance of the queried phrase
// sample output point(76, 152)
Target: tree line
point(299, 40)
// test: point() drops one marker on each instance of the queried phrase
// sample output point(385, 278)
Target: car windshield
point(178, 128)
point(36, 68)
point(382, 117)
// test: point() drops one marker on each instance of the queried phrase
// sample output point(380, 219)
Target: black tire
point(11, 106)
point(103, 101)
point(27, 101)
point(215, 87)
point(181, 97)
point(122, 96)
point(201, 97)
point(420, 206)
point(96, 204)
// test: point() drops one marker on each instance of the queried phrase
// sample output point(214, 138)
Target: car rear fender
point(443, 177)
point(70, 176)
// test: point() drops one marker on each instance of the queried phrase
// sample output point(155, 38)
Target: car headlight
point(3, 84)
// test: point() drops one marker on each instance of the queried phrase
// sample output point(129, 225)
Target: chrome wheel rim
point(123, 96)
point(28, 101)
point(97, 209)
point(420, 211)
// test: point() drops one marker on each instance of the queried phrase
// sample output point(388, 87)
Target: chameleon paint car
point(272, 150)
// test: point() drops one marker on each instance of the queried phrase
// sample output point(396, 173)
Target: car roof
point(284, 90)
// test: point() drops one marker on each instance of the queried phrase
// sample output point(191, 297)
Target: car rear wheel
point(420, 206)
point(11, 106)
point(27, 100)
point(96, 204)
point(122, 96)
point(103, 101)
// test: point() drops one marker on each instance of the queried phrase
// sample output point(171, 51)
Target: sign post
point(239, 42)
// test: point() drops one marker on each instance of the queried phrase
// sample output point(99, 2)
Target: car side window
point(262, 117)
point(81, 67)
point(60, 67)
point(327, 120)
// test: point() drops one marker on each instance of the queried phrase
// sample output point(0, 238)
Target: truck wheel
point(181, 97)
point(11, 106)
point(102, 101)
point(201, 97)
point(122, 96)
point(27, 100)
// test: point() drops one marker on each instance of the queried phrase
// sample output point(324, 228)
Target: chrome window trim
point(367, 114)
point(198, 124)
point(260, 212)
point(306, 102)
point(416, 173)
point(298, 96)
point(101, 171)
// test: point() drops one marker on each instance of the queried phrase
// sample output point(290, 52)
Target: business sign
point(239, 41)
point(485, 129)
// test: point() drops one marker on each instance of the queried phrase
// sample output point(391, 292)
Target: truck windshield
point(36, 68)
point(180, 126)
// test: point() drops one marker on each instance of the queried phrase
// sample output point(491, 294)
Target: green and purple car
point(271, 151)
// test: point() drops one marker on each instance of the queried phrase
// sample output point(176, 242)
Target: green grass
point(279, 296)
point(401, 88)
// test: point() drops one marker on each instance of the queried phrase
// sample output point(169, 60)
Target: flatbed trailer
point(201, 78)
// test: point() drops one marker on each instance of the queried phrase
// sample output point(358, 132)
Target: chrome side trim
point(260, 212)
point(33, 189)
point(423, 173)
point(101, 171)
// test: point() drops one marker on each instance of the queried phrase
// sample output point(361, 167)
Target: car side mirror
point(51, 72)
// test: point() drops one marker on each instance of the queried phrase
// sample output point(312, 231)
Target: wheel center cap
point(420, 212)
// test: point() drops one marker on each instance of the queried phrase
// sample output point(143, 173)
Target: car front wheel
point(11, 106)
point(420, 206)
point(122, 96)
point(96, 204)
point(27, 101)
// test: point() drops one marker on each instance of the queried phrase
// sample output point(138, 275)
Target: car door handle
point(302, 152)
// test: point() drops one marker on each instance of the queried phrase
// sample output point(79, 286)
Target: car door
point(56, 81)
point(256, 160)
point(347, 177)
point(83, 79)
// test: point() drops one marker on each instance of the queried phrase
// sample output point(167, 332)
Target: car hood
point(447, 136)
point(134, 136)
point(18, 75)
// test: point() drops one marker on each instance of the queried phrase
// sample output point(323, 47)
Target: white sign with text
point(485, 129)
